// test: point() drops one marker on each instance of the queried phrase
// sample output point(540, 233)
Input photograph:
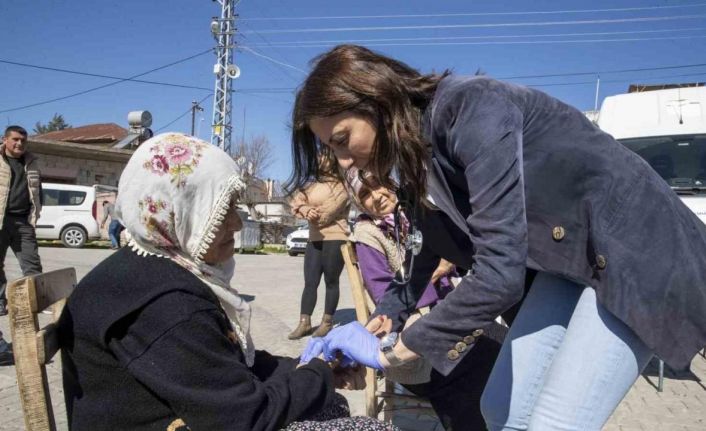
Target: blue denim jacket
point(530, 182)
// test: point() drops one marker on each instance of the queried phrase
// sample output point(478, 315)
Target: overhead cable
point(56, 99)
point(487, 25)
point(510, 36)
point(449, 15)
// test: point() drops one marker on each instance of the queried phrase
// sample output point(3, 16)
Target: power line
point(182, 115)
point(548, 75)
point(271, 66)
point(524, 42)
point(118, 78)
point(446, 15)
point(494, 25)
point(606, 72)
point(513, 36)
point(56, 99)
point(281, 63)
point(613, 81)
point(141, 81)
point(264, 39)
point(96, 75)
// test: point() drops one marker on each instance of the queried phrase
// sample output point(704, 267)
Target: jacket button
point(477, 333)
point(469, 339)
point(558, 233)
point(461, 347)
point(453, 355)
point(601, 261)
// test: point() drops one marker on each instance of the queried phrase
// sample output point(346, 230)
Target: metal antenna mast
point(223, 30)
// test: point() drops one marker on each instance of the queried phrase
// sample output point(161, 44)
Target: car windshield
point(679, 159)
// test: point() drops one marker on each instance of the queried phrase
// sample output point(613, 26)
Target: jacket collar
point(29, 157)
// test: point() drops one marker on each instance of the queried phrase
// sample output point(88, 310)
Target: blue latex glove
point(313, 349)
point(356, 344)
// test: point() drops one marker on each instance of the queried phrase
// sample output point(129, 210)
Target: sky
point(277, 39)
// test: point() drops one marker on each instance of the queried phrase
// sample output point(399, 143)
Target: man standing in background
point(20, 205)
point(115, 228)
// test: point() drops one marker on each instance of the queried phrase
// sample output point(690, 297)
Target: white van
point(668, 129)
point(69, 213)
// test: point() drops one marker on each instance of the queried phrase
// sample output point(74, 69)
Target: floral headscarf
point(173, 195)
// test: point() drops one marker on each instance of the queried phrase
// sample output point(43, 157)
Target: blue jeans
point(114, 232)
point(565, 365)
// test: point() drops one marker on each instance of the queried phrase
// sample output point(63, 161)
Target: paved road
point(274, 282)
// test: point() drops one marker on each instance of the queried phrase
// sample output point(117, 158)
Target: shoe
point(303, 329)
point(6, 358)
point(325, 326)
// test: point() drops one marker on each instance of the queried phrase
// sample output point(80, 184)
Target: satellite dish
point(233, 71)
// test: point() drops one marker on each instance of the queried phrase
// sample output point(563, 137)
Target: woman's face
point(350, 136)
point(376, 200)
point(223, 244)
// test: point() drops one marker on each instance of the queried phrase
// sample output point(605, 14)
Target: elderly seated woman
point(154, 337)
point(455, 398)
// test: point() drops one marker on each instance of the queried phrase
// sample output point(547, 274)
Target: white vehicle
point(297, 240)
point(668, 129)
point(69, 213)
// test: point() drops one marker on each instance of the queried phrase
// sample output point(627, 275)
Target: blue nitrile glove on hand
point(356, 344)
point(313, 349)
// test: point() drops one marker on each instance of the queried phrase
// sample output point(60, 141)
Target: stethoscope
point(412, 242)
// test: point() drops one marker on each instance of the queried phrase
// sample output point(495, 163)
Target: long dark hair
point(388, 93)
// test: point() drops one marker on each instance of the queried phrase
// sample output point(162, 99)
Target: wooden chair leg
point(371, 401)
point(389, 404)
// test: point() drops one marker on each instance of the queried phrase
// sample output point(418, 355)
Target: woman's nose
point(376, 195)
point(344, 163)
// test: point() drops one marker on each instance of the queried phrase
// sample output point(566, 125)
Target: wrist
point(387, 350)
point(382, 360)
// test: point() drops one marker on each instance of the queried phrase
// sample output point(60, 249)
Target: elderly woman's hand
point(379, 326)
point(313, 215)
point(350, 378)
point(445, 268)
point(344, 377)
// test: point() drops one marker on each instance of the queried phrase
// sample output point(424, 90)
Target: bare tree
point(257, 151)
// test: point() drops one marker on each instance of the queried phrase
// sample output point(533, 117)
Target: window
point(52, 197)
point(679, 159)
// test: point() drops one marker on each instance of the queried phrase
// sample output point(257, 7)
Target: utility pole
point(223, 30)
point(194, 107)
point(598, 88)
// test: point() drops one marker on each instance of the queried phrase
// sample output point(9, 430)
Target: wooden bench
point(34, 347)
point(376, 401)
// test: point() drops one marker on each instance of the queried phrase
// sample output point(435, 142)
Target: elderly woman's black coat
point(529, 182)
point(145, 346)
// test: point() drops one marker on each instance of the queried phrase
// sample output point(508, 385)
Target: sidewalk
point(274, 284)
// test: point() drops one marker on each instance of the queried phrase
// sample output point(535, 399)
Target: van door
point(49, 223)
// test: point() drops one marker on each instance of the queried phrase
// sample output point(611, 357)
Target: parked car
point(297, 240)
point(69, 213)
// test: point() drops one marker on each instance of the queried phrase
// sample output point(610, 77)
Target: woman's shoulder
point(474, 98)
point(127, 282)
point(465, 85)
